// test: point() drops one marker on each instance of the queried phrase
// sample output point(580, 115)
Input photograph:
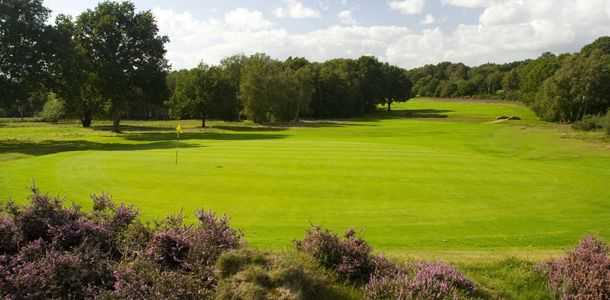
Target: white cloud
point(429, 20)
point(508, 30)
point(246, 20)
point(468, 3)
point(346, 17)
point(297, 10)
point(408, 7)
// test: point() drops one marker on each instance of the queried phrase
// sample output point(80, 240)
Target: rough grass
point(430, 177)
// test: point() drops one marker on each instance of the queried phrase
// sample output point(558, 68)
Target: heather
point(50, 250)
point(381, 279)
point(584, 273)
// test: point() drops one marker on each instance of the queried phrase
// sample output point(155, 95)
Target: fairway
point(430, 176)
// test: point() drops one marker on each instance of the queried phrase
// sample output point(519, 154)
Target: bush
point(583, 274)
point(349, 257)
point(53, 110)
point(142, 279)
point(9, 236)
point(212, 237)
point(420, 281)
point(590, 123)
point(169, 248)
point(43, 214)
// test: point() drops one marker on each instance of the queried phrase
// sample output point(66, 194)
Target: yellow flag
point(178, 130)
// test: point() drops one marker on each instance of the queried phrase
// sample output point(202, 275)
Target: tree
point(74, 79)
point(125, 50)
point(510, 84)
point(372, 74)
point(232, 68)
point(397, 85)
point(184, 92)
point(579, 88)
point(25, 53)
point(260, 85)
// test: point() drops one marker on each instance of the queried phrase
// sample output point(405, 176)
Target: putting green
point(431, 175)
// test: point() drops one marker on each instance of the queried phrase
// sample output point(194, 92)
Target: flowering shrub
point(49, 251)
point(349, 257)
point(142, 279)
point(9, 236)
point(169, 248)
point(43, 214)
point(583, 274)
point(439, 281)
point(389, 283)
point(434, 281)
point(212, 237)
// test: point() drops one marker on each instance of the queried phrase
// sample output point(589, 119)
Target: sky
point(408, 33)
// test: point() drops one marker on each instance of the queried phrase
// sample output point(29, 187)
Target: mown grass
point(430, 177)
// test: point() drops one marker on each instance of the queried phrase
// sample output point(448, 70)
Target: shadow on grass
point(245, 128)
point(171, 136)
point(271, 127)
point(408, 114)
point(52, 147)
point(132, 128)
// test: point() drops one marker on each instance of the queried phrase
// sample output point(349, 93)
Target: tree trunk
point(389, 106)
point(116, 122)
point(203, 122)
point(86, 119)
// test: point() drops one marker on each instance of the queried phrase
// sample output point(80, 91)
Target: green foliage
point(53, 110)
point(579, 88)
point(261, 88)
point(126, 53)
point(26, 50)
point(247, 274)
point(591, 123)
point(508, 278)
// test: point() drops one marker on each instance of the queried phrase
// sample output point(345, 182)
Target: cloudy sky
point(408, 33)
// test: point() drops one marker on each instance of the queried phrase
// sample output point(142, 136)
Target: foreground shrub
point(169, 248)
point(421, 281)
point(9, 236)
point(44, 214)
point(142, 279)
point(350, 256)
point(583, 274)
point(48, 251)
point(39, 272)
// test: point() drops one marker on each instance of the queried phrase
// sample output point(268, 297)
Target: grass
point(432, 178)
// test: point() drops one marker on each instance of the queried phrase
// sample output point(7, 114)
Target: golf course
point(431, 177)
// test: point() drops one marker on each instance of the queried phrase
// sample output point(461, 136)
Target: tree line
point(109, 62)
point(264, 90)
point(559, 88)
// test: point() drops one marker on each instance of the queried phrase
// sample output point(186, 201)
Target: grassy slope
point(432, 176)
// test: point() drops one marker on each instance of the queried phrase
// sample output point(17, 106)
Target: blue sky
point(408, 33)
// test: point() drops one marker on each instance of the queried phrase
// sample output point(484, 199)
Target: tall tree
point(397, 85)
point(121, 46)
point(74, 79)
point(25, 52)
point(258, 87)
point(579, 88)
